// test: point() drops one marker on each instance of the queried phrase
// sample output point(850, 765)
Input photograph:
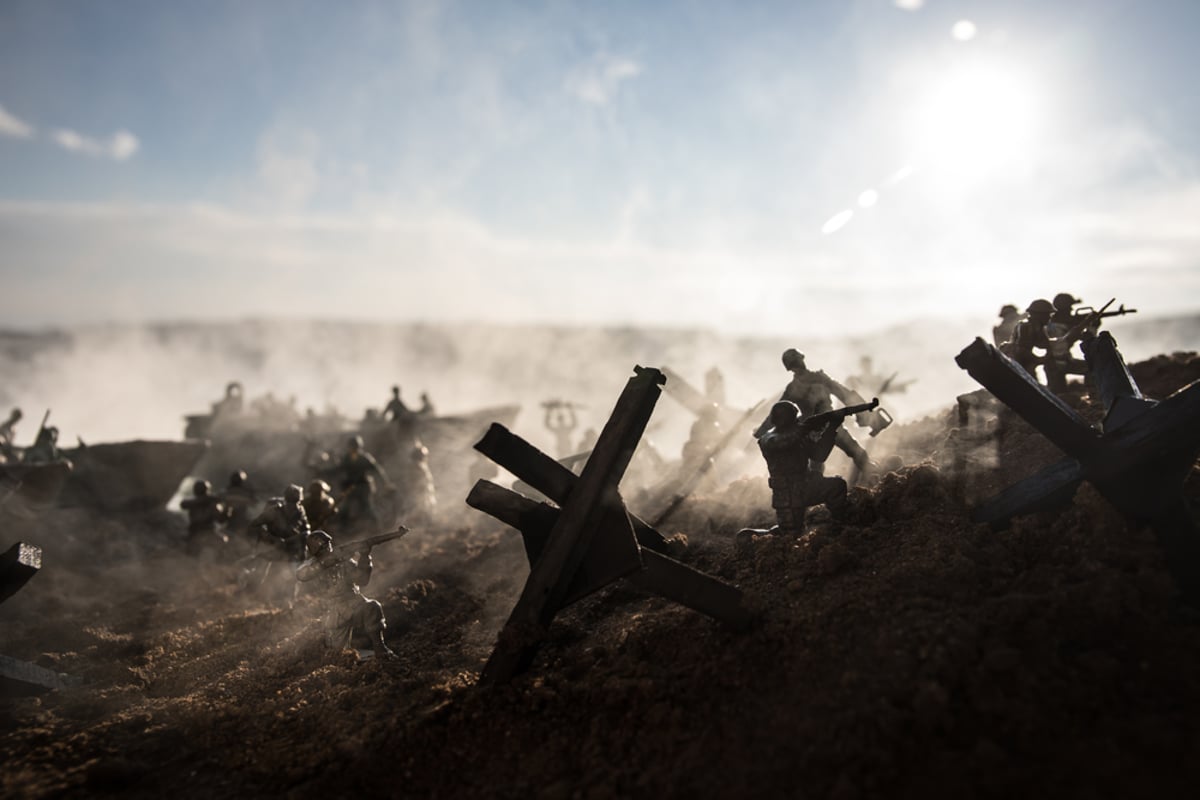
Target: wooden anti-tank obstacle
point(590, 540)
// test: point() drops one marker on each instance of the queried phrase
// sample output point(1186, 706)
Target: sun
point(977, 121)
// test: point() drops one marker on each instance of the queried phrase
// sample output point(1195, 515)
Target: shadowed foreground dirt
point(906, 653)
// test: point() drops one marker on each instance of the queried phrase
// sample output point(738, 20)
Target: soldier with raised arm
point(811, 391)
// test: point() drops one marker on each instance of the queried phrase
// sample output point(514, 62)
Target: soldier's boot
point(382, 651)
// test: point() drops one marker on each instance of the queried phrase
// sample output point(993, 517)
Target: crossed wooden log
point(1138, 459)
point(590, 540)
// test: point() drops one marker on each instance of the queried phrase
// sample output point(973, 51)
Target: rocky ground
point(905, 653)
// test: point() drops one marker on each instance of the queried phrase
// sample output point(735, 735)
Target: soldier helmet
point(1064, 301)
point(318, 541)
point(201, 488)
point(238, 478)
point(1040, 306)
point(16, 414)
point(355, 443)
point(793, 359)
point(292, 493)
point(783, 413)
point(318, 487)
point(1007, 310)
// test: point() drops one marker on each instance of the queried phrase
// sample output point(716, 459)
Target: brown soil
point(906, 653)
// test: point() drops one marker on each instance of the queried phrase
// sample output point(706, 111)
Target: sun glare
point(978, 121)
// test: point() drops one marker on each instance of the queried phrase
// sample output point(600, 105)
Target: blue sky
point(773, 167)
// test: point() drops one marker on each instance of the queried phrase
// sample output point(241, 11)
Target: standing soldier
point(1064, 331)
point(1003, 331)
point(7, 434)
point(1032, 335)
point(419, 494)
point(561, 421)
point(237, 498)
point(283, 528)
point(206, 516)
point(358, 470)
point(319, 505)
point(395, 410)
point(811, 392)
point(339, 580)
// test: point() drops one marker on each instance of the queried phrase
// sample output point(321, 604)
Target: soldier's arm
point(849, 397)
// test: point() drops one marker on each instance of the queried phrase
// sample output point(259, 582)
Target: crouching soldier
point(794, 450)
point(339, 574)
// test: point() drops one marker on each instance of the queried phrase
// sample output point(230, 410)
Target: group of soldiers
point(795, 440)
point(44, 449)
point(290, 540)
point(1047, 333)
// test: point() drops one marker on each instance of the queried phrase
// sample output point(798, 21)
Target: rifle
point(1078, 329)
point(1121, 311)
point(364, 545)
point(838, 415)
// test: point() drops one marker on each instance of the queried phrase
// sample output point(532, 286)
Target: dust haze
point(118, 382)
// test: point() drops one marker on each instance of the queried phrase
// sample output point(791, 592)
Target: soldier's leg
point(831, 492)
point(790, 520)
point(369, 618)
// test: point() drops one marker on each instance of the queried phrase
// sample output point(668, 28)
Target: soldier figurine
point(319, 506)
point(426, 409)
point(419, 495)
point(561, 421)
point(237, 498)
point(1003, 331)
point(794, 449)
point(358, 470)
point(206, 516)
point(7, 434)
point(283, 525)
point(232, 403)
point(1064, 331)
point(44, 449)
point(340, 578)
point(395, 410)
point(1031, 335)
point(811, 392)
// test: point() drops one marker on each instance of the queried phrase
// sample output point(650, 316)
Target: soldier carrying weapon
point(340, 573)
point(811, 391)
point(794, 448)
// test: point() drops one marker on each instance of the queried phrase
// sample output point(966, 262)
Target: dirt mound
point(903, 652)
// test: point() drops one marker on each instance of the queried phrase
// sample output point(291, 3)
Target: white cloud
point(597, 82)
point(14, 126)
point(119, 147)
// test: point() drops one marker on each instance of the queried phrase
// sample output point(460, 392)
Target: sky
point(760, 167)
